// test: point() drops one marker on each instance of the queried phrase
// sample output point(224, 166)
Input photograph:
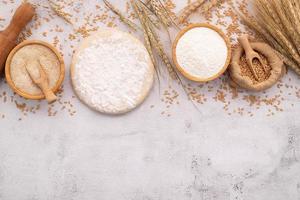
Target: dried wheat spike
point(189, 9)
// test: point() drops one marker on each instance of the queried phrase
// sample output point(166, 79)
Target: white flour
point(113, 72)
point(201, 52)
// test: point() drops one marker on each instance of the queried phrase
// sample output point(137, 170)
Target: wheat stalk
point(139, 12)
point(284, 18)
point(154, 39)
point(157, 9)
point(160, 50)
point(207, 6)
point(58, 10)
point(149, 27)
point(169, 14)
point(152, 17)
point(121, 16)
point(163, 13)
point(145, 33)
point(278, 21)
point(294, 23)
point(189, 9)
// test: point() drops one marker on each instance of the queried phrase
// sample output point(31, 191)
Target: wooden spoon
point(251, 54)
point(41, 80)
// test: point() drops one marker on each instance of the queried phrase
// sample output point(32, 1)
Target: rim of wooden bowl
point(182, 70)
point(8, 63)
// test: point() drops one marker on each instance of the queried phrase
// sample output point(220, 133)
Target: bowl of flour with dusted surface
point(112, 72)
point(201, 52)
point(34, 53)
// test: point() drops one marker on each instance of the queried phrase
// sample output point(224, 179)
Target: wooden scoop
point(39, 77)
point(9, 36)
point(250, 54)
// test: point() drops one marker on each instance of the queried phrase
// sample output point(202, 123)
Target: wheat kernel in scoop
point(262, 75)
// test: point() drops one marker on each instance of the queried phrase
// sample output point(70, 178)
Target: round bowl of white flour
point(201, 52)
point(112, 72)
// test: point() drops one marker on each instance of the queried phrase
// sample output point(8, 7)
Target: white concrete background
point(192, 155)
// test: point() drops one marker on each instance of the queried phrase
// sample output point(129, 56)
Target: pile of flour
point(112, 72)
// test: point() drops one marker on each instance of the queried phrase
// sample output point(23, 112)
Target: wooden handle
point(44, 84)
point(9, 36)
point(244, 41)
point(49, 95)
point(250, 53)
point(5, 47)
point(21, 18)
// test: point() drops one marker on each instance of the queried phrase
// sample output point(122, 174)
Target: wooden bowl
point(182, 70)
point(9, 60)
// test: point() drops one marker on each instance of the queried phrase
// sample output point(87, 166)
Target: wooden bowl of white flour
point(201, 52)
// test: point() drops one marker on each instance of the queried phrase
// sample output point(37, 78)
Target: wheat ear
point(189, 9)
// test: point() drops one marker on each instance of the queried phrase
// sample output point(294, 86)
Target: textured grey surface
point(192, 155)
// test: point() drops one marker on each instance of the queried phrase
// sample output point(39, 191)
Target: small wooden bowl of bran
point(17, 76)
